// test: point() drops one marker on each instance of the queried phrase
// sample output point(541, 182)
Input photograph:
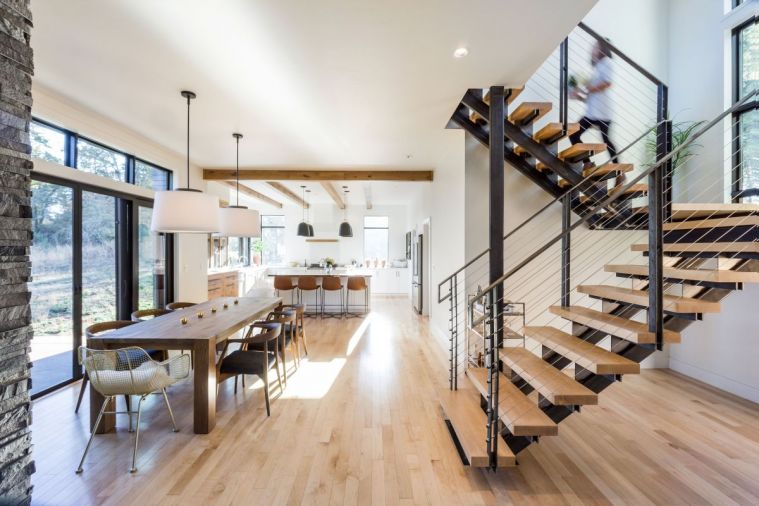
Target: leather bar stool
point(285, 284)
point(357, 284)
point(309, 284)
point(332, 284)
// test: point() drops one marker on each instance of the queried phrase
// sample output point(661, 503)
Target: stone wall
point(16, 465)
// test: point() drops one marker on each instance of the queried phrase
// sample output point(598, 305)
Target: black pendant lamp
point(303, 230)
point(345, 228)
point(308, 218)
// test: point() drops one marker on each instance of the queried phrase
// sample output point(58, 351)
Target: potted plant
point(330, 262)
point(258, 248)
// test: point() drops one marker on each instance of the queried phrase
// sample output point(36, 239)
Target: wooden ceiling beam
point(317, 175)
point(329, 188)
point(250, 192)
point(284, 190)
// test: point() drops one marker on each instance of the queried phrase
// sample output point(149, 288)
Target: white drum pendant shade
point(239, 221)
point(182, 211)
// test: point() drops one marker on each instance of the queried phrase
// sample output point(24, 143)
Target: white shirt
point(599, 103)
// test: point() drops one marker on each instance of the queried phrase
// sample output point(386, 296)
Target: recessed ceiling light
point(460, 52)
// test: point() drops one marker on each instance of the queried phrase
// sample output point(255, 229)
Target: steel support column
point(566, 217)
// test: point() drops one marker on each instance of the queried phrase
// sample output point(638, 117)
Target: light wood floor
point(360, 424)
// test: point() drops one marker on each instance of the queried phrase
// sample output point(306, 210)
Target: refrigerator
point(417, 281)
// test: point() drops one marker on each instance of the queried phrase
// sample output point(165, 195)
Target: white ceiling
point(328, 83)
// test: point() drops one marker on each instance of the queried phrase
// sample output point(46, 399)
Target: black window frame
point(71, 154)
point(737, 192)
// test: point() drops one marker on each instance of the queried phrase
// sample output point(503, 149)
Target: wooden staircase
point(557, 371)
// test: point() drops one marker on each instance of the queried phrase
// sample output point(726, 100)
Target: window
point(746, 118)
point(48, 143)
point(376, 238)
point(271, 247)
point(150, 176)
point(94, 158)
point(64, 147)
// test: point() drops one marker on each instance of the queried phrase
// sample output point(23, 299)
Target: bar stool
point(308, 284)
point(285, 283)
point(357, 284)
point(332, 284)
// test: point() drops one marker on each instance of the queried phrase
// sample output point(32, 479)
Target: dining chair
point(248, 359)
point(300, 325)
point(130, 371)
point(308, 284)
point(144, 314)
point(332, 284)
point(285, 284)
point(98, 328)
point(173, 306)
point(286, 318)
point(357, 284)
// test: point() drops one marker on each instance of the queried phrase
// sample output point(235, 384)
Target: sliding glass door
point(52, 286)
point(94, 259)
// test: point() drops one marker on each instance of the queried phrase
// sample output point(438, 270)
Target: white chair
point(130, 371)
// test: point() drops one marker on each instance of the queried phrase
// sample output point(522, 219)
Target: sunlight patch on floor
point(358, 334)
point(313, 379)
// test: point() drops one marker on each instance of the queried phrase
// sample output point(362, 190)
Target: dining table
point(198, 328)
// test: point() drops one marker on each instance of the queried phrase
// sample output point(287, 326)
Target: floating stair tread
point(585, 354)
point(512, 96)
point(724, 222)
point(629, 330)
point(712, 247)
point(554, 385)
point(607, 168)
point(634, 189)
point(526, 109)
point(700, 211)
point(554, 130)
point(462, 409)
point(522, 416)
point(581, 149)
point(640, 297)
point(708, 275)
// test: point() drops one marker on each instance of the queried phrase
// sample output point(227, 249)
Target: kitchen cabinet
point(223, 284)
point(390, 281)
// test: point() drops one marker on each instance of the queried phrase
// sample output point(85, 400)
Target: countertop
point(302, 271)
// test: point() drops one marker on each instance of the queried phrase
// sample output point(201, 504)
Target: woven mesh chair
point(130, 371)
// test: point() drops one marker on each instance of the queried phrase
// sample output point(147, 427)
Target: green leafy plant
point(258, 246)
point(681, 134)
point(330, 262)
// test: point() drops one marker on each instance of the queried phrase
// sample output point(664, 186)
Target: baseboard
point(742, 390)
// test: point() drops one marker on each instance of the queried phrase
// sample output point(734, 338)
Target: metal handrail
point(612, 197)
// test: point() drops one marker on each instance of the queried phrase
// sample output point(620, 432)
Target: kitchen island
point(331, 301)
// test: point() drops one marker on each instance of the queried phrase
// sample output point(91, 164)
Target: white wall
point(191, 281)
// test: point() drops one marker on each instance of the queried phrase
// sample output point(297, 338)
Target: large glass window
point(151, 262)
point(48, 143)
point(91, 157)
point(376, 238)
point(746, 119)
point(271, 248)
point(99, 279)
point(52, 285)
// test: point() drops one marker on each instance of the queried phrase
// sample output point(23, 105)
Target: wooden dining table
point(200, 335)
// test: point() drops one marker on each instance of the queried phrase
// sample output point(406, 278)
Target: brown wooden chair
point(357, 284)
point(333, 284)
point(286, 318)
point(285, 284)
point(300, 326)
point(248, 360)
point(144, 314)
point(309, 284)
point(98, 328)
point(173, 306)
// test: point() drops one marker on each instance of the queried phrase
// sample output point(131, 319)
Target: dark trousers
point(603, 126)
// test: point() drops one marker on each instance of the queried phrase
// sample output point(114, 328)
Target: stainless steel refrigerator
point(417, 281)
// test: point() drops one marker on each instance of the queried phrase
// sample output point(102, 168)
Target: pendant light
point(303, 226)
point(185, 209)
point(237, 220)
point(345, 228)
point(308, 217)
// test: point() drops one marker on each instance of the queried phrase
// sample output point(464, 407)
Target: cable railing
point(533, 277)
